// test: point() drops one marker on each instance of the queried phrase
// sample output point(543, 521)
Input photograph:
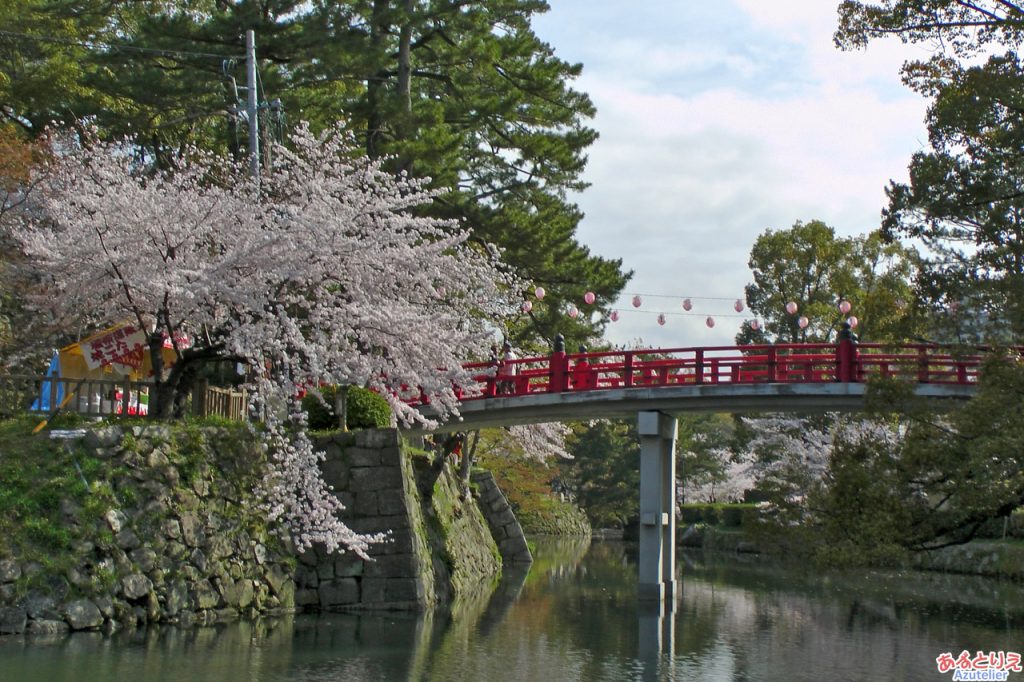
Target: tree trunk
point(405, 59)
point(341, 407)
point(466, 468)
point(375, 82)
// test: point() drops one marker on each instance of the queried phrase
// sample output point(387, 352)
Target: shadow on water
point(573, 615)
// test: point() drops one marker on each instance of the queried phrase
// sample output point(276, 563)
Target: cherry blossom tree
point(323, 272)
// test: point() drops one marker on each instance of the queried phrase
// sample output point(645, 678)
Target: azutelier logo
point(982, 666)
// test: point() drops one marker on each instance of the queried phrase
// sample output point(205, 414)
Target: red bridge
point(654, 385)
point(781, 377)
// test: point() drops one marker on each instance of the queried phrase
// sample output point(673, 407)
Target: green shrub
point(692, 513)
point(729, 515)
point(320, 414)
point(732, 516)
point(366, 409)
point(751, 515)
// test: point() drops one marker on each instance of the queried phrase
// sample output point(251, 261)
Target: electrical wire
point(96, 46)
point(669, 312)
point(694, 298)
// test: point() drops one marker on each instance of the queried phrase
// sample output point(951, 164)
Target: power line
point(695, 298)
point(96, 46)
point(671, 312)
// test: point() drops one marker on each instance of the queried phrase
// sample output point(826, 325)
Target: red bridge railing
point(753, 364)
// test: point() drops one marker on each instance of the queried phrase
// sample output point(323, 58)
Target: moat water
point(574, 616)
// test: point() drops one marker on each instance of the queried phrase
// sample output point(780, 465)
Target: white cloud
point(710, 136)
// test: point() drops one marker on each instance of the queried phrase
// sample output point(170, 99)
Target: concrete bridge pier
point(657, 506)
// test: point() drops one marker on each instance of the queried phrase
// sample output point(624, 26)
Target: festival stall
point(101, 368)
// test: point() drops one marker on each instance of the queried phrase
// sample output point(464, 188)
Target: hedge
point(728, 515)
point(366, 409)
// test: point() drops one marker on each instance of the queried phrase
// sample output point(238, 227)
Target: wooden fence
point(107, 397)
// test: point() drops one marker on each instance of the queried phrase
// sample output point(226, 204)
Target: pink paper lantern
point(792, 307)
point(710, 322)
point(844, 307)
point(573, 311)
point(738, 306)
point(589, 297)
point(637, 301)
point(803, 322)
point(539, 293)
point(852, 319)
point(527, 306)
point(755, 325)
point(687, 304)
point(661, 320)
point(614, 316)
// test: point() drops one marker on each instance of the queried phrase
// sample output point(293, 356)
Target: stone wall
point(502, 520)
point(438, 546)
point(171, 532)
point(167, 532)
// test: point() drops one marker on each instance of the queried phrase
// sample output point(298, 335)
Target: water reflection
point(575, 616)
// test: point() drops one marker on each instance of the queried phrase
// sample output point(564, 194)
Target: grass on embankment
point(39, 488)
point(54, 495)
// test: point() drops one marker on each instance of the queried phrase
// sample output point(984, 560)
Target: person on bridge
point(583, 376)
point(508, 370)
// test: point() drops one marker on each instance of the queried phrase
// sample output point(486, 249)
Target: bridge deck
point(754, 378)
point(626, 402)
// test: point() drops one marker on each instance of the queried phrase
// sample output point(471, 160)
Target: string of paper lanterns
point(802, 321)
point(637, 302)
point(791, 308)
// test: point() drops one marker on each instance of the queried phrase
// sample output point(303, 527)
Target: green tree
point(812, 267)
point(964, 200)
point(604, 474)
point(963, 28)
point(461, 92)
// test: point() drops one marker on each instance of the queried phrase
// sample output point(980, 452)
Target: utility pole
point(251, 109)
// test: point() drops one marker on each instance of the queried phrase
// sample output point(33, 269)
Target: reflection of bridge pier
point(656, 637)
point(657, 506)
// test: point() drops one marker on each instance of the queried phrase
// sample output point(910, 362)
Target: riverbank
point(576, 617)
point(1002, 559)
point(112, 527)
point(116, 526)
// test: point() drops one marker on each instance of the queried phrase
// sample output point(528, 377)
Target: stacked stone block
point(375, 483)
point(502, 520)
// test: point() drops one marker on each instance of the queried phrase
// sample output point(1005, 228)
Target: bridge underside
point(655, 408)
point(625, 403)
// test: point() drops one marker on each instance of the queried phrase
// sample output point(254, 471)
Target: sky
point(718, 121)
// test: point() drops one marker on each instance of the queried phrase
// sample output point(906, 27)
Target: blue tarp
point(42, 403)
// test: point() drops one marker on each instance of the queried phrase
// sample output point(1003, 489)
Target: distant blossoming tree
point(323, 273)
